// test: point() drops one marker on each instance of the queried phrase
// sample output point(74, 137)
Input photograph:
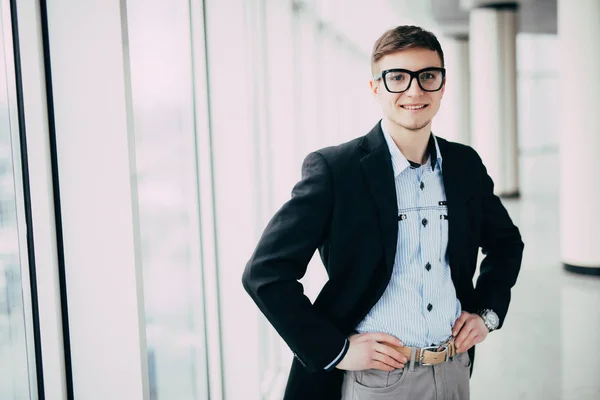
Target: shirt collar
point(399, 161)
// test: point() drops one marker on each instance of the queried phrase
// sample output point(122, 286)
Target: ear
point(374, 87)
point(444, 87)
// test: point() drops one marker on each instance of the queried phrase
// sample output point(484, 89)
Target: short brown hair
point(404, 37)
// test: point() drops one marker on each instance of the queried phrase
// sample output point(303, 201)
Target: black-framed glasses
point(398, 80)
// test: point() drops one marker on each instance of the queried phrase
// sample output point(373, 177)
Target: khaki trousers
point(446, 381)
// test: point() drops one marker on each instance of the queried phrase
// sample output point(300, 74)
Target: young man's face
point(395, 105)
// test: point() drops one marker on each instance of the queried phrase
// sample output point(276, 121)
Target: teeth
point(413, 107)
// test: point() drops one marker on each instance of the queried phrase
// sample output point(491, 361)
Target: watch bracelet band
point(482, 314)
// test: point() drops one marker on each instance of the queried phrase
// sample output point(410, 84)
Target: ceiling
point(535, 16)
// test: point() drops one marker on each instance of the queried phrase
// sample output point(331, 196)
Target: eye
point(396, 77)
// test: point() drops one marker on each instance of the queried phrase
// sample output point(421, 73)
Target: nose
point(414, 90)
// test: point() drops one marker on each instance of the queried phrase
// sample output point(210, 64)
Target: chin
point(413, 126)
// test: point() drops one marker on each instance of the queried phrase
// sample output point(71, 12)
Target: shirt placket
point(425, 243)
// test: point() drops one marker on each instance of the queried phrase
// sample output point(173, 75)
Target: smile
point(415, 107)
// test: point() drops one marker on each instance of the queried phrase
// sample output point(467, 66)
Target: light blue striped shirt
point(419, 305)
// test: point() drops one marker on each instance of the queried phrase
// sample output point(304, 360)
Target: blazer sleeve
point(280, 260)
point(503, 249)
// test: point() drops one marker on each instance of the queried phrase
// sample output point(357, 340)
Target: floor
point(545, 349)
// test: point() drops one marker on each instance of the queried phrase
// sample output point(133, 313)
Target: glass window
point(167, 183)
point(16, 346)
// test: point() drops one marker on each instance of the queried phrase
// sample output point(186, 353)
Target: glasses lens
point(397, 81)
point(431, 80)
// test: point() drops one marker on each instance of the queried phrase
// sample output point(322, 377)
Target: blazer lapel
point(456, 196)
point(377, 167)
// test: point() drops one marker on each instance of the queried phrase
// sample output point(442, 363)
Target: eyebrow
point(411, 70)
point(378, 75)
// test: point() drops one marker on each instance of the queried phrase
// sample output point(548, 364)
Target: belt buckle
point(434, 349)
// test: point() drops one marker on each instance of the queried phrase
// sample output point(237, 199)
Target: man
point(398, 217)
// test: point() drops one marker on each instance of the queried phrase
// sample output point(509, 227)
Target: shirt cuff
point(339, 357)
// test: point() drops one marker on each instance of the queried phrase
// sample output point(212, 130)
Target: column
point(579, 135)
point(492, 33)
point(457, 99)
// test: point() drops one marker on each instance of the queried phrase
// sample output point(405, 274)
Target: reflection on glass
point(14, 378)
point(163, 109)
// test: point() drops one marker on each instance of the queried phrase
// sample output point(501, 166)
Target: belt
point(432, 355)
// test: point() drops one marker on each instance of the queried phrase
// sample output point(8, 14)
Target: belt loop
point(413, 359)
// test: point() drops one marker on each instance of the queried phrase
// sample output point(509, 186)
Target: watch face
point(492, 318)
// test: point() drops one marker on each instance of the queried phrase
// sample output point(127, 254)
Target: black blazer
point(345, 206)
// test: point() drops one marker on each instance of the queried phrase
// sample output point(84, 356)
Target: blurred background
point(145, 144)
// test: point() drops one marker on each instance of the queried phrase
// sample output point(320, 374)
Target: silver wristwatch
point(490, 318)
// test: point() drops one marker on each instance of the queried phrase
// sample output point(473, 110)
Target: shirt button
point(424, 221)
point(422, 185)
point(429, 307)
point(428, 266)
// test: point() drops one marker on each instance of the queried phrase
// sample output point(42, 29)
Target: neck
point(412, 143)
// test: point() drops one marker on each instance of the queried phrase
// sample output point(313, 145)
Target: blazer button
point(429, 307)
point(428, 266)
point(424, 221)
point(422, 185)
